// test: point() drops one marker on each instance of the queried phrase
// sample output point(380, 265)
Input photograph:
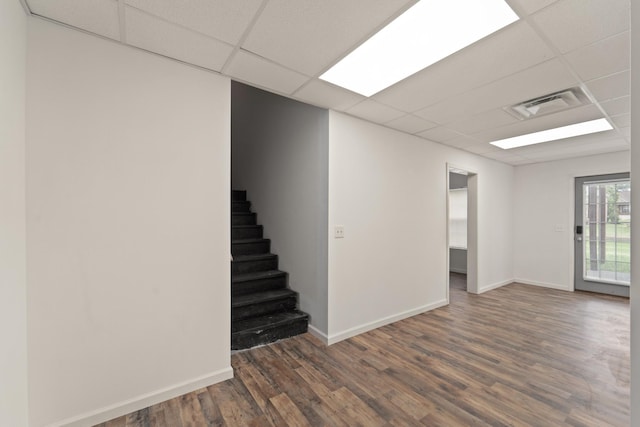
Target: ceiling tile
point(469, 68)
point(626, 132)
point(575, 147)
point(548, 77)
point(150, 33)
point(482, 149)
point(462, 142)
point(309, 35)
point(505, 156)
point(225, 20)
point(610, 87)
point(439, 134)
point(375, 112)
point(622, 121)
point(530, 6)
point(600, 141)
point(483, 121)
point(326, 95)
point(411, 124)
point(571, 24)
point(576, 115)
point(601, 58)
point(618, 106)
point(97, 16)
point(259, 72)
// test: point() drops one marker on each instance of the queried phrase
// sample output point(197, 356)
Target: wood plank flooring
point(515, 356)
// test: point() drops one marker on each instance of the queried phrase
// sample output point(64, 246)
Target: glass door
point(603, 234)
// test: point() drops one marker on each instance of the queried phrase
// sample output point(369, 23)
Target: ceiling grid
point(283, 46)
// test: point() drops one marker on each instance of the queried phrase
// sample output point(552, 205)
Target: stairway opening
point(263, 308)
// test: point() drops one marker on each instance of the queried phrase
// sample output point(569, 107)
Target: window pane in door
point(607, 242)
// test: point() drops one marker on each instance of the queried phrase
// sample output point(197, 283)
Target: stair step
point(246, 232)
point(238, 195)
point(262, 303)
point(243, 218)
point(255, 331)
point(243, 206)
point(253, 263)
point(250, 246)
point(249, 283)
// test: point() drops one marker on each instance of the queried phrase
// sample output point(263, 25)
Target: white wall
point(635, 218)
point(544, 216)
point(127, 227)
point(279, 155)
point(13, 304)
point(389, 191)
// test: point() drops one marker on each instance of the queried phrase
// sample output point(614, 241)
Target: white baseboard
point(352, 332)
point(319, 334)
point(458, 270)
point(495, 286)
point(543, 285)
point(125, 407)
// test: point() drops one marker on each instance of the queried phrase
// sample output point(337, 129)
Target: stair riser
point(242, 340)
point(251, 248)
point(238, 196)
point(263, 308)
point(243, 219)
point(252, 286)
point(246, 233)
point(240, 206)
point(253, 266)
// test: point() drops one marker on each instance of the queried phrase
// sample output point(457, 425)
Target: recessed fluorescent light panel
point(426, 33)
point(563, 132)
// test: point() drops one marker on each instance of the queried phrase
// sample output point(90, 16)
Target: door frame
point(615, 289)
point(472, 228)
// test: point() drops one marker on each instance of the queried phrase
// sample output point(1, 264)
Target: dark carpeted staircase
point(263, 309)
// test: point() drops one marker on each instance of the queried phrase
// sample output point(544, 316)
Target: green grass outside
point(620, 252)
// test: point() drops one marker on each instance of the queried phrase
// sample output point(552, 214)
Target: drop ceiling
point(284, 45)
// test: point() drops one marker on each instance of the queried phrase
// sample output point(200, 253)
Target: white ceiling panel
point(571, 24)
point(600, 141)
point(375, 112)
point(411, 124)
point(463, 142)
point(506, 156)
point(327, 95)
point(582, 114)
point(626, 132)
point(610, 87)
point(622, 121)
point(529, 6)
point(483, 121)
point(482, 149)
point(439, 134)
point(96, 16)
point(469, 68)
point(548, 77)
point(618, 106)
point(225, 20)
point(576, 148)
point(150, 33)
point(255, 70)
point(310, 35)
point(602, 58)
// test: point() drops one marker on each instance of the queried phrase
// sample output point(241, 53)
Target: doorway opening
point(603, 234)
point(462, 208)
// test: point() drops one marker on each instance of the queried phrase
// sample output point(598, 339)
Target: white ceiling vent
point(548, 104)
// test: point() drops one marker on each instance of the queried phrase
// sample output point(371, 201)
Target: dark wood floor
point(515, 356)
